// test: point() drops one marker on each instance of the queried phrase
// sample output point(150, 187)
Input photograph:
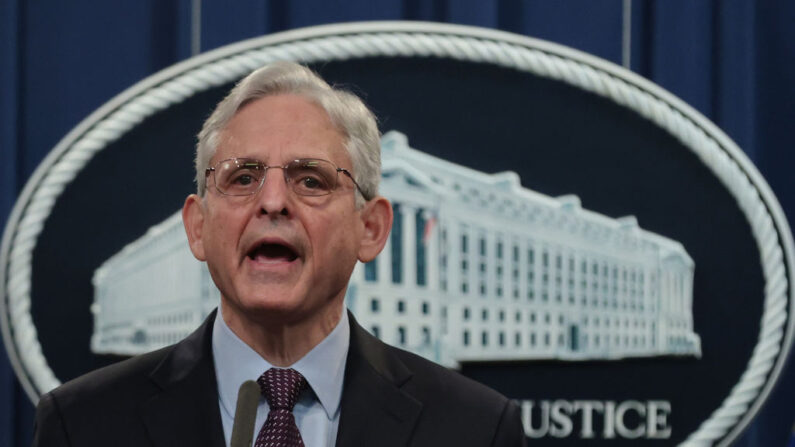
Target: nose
point(274, 196)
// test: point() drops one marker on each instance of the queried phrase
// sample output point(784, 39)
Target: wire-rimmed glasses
point(305, 176)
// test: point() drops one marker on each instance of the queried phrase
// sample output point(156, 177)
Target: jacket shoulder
point(90, 408)
point(442, 384)
point(120, 381)
point(457, 410)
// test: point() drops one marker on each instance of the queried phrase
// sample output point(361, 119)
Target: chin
point(272, 309)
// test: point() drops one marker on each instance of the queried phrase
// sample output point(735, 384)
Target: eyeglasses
point(305, 176)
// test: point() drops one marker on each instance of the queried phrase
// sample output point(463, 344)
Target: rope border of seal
point(357, 40)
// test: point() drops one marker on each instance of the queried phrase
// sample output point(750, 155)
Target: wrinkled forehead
point(279, 128)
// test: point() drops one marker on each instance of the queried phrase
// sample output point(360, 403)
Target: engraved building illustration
point(477, 268)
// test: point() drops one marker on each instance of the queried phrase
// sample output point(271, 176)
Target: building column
point(409, 245)
point(509, 265)
point(688, 291)
point(490, 258)
point(472, 259)
point(666, 305)
point(453, 255)
point(432, 258)
point(522, 266)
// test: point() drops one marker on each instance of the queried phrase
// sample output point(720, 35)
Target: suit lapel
point(186, 411)
point(374, 409)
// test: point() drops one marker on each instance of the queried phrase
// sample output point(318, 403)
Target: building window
point(401, 335)
point(401, 306)
point(499, 250)
point(485, 315)
point(374, 305)
point(502, 338)
point(466, 313)
point(426, 308)
point(532, 339)
point(466, 338)
point(484, 338)
point(426, 336)
point(464, 243)
point(482, 247)
point(502, 315)
point(397, 244)
point(375, 330)
point(371, 271)
point(517, 339)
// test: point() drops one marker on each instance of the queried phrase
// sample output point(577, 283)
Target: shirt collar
point(323, 366)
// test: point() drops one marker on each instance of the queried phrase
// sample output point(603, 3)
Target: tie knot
point(281, 387)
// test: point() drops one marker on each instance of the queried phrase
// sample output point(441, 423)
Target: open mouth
point(272, 253)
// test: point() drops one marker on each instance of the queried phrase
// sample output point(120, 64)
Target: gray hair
point(346, 111)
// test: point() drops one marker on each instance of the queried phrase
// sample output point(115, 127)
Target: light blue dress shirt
point(317, 412)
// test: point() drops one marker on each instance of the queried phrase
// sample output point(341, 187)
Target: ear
point(193, 219)
point(377, 218)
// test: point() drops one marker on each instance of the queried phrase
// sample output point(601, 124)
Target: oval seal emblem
point(566, 232)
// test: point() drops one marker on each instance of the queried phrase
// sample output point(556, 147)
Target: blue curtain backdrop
point(732, 60)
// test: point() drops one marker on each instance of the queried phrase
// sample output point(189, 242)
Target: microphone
point(245, 414)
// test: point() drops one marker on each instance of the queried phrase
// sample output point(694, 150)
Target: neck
point(279, 341)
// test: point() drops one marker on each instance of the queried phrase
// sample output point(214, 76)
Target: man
point(287, 171)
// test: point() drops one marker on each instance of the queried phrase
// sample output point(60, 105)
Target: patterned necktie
point(281, 388)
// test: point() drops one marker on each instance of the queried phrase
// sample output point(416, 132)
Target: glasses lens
point(310, 177)
point(239, 176)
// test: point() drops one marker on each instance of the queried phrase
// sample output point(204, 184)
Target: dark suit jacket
point(169, 398)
